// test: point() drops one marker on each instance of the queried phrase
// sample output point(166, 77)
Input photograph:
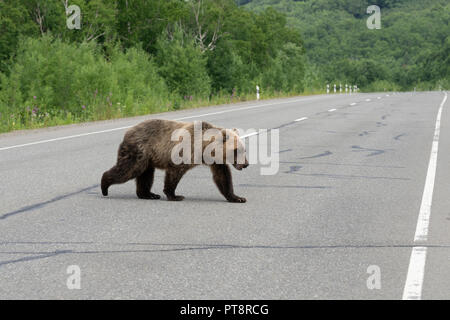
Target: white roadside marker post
point(335, 88)
point(340, 87)
point(328, 88)
point(346, 88)
point(257, 92)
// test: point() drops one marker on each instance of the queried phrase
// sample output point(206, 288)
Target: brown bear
point(151, 145)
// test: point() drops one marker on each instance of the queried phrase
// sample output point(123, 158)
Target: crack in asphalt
point(47, 202)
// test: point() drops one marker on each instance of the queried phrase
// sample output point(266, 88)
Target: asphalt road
point(342, 210)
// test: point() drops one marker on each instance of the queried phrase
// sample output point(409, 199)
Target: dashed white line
point(331, 110)
point(352, 104)
point(416, 269)
point(368, 100)
point(378, 98)
point(301, 119)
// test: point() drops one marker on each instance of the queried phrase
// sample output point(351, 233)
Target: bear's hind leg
point(222, 178)
point(144, 184)
point(173, 177)
point(116, 175)
point(129, 166)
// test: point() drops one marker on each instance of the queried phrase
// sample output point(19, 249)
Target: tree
point(182, 64)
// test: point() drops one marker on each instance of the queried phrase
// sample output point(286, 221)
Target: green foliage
point(286, 71)
point(53, 79)
point(137, 57)
point(182, 65)
point(410, 47)
point(14, 22)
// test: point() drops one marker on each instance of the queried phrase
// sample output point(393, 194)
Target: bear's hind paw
point(175, 198)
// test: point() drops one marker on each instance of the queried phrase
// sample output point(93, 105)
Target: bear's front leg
point(173, 177)
point(223, 180)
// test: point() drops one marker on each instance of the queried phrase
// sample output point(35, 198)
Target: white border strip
point(416, 269)
point(416, 272)
point(427, 197)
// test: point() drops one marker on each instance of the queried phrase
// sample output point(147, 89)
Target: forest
point(411, 50)
point(134, 57)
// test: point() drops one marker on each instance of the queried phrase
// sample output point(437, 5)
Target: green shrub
point(51, 81)
point(182, 65)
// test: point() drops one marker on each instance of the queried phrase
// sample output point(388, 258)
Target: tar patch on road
point(399, 136)
point(373, 152)
point(320, 155)
point(293, 169)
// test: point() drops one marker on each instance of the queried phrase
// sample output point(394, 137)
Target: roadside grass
point(33, 120)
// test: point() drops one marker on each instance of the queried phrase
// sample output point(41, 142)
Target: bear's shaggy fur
point(148, 145)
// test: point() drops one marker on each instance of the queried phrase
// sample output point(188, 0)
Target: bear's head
point(234, 147)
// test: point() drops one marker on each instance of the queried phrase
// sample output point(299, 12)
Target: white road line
point(127, 127)
point(249, 135)
point(378, 98)
point(63, 138)
point(416, 269)
point(239, 109)
point(427, 197)
point(367, 100)
point(301, 119)
point(331, 110)
point(352, 104)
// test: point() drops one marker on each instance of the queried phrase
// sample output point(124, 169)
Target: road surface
point(345, 217)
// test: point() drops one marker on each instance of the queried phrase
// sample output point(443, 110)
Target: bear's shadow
point(163, 199)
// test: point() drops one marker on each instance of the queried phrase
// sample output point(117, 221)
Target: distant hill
point(412, 48)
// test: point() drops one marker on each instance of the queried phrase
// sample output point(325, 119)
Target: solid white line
point(427, 197)
point(331, 110)
point(63, 138)
point(416, 269)
point(127, 127)
point(301, 119)
point(416, 272)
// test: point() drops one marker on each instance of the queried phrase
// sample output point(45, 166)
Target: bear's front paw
point(175, 198)
point(149, 196)
point(237, 199)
